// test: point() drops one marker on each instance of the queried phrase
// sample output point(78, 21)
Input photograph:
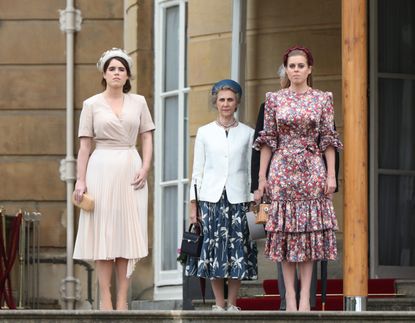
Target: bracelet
point(261, 179)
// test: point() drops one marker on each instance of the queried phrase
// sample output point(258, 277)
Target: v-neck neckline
point(119, 117)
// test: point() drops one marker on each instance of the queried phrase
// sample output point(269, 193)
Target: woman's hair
point(295, 51)
point(127, 86)
point(214, 95)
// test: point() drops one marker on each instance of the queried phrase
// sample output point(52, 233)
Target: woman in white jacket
point(221, 171)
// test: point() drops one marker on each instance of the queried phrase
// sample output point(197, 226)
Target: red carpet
point(377, 288)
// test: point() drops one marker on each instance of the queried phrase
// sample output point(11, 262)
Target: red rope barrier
point(7, 258)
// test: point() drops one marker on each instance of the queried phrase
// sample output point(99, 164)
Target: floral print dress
point(302, 222)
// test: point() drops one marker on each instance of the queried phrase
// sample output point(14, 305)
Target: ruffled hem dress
point(299, 127)
point(117, 227)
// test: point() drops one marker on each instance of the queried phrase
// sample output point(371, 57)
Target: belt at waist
point(115, 146)
point(296, 148)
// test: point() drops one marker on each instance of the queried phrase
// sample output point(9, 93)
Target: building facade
point(180, 48)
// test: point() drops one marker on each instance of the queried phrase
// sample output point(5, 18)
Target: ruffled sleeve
point(269, 135)
point(328, 135)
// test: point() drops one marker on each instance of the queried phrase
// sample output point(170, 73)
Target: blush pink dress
point(117, 227)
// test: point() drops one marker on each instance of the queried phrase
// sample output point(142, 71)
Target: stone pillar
point(138, 42)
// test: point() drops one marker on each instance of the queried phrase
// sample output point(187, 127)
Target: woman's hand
point(140, 179)
point(262, 188)
point(330, 185)
point(80, 189)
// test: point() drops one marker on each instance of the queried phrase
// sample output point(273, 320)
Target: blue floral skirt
point(227, 251)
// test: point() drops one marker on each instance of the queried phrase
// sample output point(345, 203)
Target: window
point(393, 138)
point(171, 175)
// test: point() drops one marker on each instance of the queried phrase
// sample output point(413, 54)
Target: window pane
point(171, 54)
point(396, 220)
point(185, 137)
point(169, 228)
point(171, 139)
point(396, 36)
point(186, 205)
point(396, 120)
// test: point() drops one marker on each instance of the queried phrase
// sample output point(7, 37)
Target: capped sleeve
point(146, 122)
point(269, 135)
point(86, 122)
point(328, 135)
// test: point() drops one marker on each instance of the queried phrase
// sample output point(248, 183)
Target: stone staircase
point(404, 301)
point(64, 316)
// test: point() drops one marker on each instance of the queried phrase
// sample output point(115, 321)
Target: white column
point(70, 22)
point(238, 46)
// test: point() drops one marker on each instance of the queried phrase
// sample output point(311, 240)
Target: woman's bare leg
point(122, 283)
point(289, 272)
point(233, 290)
point(104, 271)
point(306, 272)
point(217, 287)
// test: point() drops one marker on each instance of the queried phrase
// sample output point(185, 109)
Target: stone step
point(391, 304)
point(149, 305)
point(64, 316)
point(251, 288)
point(405, 287)
point(373, 304)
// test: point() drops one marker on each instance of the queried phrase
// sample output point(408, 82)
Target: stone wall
point(272, 27)
point(138, 37)
point(32, 106)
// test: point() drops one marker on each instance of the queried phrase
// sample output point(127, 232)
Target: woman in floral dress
point(298, 130)
point(221, 172)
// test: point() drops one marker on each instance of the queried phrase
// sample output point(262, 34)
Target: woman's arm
point(147, 151)
point(331, 173)
point(197, 174)
point(85, 144)
point(266, 153)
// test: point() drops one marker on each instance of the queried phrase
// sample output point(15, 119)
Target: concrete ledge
point(391, 304)
point(64, 316)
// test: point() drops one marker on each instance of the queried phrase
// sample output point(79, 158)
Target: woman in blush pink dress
point(115, 232)
point(298, 130)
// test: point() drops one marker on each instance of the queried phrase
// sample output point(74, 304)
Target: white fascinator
point(111, 53)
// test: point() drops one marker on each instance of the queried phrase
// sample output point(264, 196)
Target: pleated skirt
point(227, 251)
point(117, 227)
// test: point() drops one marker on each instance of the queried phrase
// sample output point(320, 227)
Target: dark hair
point(127, 86)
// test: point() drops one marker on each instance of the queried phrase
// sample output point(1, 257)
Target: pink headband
point(305, 50)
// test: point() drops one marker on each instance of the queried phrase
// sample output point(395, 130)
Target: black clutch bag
point(192, 240)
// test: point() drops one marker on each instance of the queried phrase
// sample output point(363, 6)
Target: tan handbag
point(261, 211)
point(87, 204)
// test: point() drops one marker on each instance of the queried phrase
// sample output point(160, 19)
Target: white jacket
point(222, 162)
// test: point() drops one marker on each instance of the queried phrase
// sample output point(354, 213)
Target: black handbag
point(193, 239)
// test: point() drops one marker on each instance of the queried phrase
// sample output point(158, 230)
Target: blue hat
point(229, 83)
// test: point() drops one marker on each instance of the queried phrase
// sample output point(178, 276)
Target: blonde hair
point(284, 81)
